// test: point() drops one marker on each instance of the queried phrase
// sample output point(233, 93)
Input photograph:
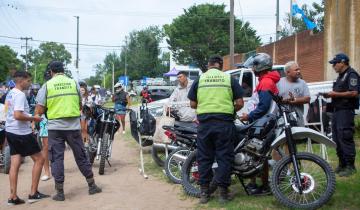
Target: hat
point(56, 66)
point(341, 57)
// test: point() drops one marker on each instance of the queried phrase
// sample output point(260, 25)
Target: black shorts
point(24, 145)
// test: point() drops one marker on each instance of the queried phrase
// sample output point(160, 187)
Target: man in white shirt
point(21, 139)
point(179, 97)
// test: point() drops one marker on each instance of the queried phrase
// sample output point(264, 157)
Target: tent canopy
point(172, 72)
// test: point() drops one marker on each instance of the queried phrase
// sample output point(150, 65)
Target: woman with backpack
point(121, 100)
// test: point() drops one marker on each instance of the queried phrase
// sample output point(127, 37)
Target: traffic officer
point(345, 99)
point(60, 98)
point(216, 97)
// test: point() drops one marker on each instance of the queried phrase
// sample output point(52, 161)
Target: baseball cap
point(341, 57)
point(56, 66)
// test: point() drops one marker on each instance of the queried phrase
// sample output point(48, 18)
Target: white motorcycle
point(4, 148)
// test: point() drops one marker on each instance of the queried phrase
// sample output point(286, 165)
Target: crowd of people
point(214, 99)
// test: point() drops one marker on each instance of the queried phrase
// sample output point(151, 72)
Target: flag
point(297, 10)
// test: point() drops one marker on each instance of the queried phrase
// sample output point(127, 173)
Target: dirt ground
point(123, 186)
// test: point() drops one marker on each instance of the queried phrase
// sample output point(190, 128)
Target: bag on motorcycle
point(159, 135)
point(148, 124)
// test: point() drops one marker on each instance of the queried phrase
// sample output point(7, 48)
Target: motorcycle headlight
point(156, 111)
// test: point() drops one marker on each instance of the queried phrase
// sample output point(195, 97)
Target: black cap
point(216, 59)
point(56, 66)
point(341, 57)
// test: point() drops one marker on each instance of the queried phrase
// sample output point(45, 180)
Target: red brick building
point(305, 48)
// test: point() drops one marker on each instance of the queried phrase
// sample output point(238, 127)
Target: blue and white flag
point(297, 10)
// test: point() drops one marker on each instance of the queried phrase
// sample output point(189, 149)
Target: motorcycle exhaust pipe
point(98, 150)
point(160, 146)
point(179, 157)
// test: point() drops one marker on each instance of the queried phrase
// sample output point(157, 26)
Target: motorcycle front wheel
point(317, 182)
point(174, 164)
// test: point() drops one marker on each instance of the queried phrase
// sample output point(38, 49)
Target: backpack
point(134, 129)
point(148, 124)
point(313, 114)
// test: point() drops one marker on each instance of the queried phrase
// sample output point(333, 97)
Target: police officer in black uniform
point(345, 99)
point(216, 97)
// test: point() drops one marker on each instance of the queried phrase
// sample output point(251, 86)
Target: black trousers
point(215, 140)
point(57, 140)
point(343, 135)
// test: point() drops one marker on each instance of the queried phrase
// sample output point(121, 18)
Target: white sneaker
point(123, 132)
point(45, 178)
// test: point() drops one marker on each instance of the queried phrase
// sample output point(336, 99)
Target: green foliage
point(315, 14)
point(203, 30)
point(141, 54)
point(8, 61)
point(38, 59)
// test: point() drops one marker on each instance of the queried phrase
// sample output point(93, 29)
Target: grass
point(346, 196)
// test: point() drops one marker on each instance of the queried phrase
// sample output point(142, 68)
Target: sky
point(107, 22)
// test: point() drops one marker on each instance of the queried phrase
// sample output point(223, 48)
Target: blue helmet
point(11, 84)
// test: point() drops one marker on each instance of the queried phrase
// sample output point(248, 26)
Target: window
point(247, 84)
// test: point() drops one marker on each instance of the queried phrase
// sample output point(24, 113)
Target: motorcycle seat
point(242, 128)
point(187, 127)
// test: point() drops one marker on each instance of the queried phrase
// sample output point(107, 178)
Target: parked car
point(158, 94)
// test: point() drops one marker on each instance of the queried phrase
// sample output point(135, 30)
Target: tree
point(141, 54)
point(203, 30)
point(316, 15)
point(8, 60)
point(47, 52)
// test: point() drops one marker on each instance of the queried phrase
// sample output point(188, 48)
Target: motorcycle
point(4, 150)
point(184, 135)
point(101, 133)
point(299, 179)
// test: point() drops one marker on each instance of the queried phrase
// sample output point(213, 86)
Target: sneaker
point(251, 186)
point(93, 189)
point(204, 198)
point(123, 132)
point(36, 197)
point(262, 190)
point(45, 178)
point(347, 171)
point(13, 202)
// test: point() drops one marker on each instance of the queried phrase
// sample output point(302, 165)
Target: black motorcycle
point(102, 129)
point(184, 135)
point(299, 180)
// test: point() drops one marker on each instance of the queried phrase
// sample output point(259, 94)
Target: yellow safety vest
point(62, 98)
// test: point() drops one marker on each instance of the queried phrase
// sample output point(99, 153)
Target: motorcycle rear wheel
point(190, 176)
point(317, 178)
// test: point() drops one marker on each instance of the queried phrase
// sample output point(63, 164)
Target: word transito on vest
point(62, 86)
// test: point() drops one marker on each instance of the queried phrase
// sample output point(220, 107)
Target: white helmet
point(118, 85)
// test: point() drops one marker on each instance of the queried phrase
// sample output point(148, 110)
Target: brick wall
point(305, 48)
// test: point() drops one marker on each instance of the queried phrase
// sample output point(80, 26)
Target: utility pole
point(113, 80)
point(77, 46)
point(277, 20)
point(26, 50)
point(291, 11)
point(125, 62)
point(231, 34)
point(35, 75)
